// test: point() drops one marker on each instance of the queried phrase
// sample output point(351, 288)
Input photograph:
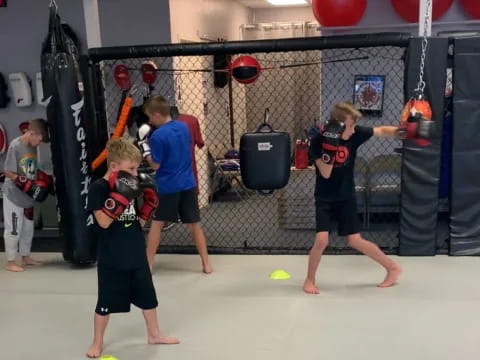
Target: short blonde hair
point(344, 108)
point(121, 149)
point(156, 104)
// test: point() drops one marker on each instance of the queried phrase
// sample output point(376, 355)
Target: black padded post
point(465, 194)
point(421, 165)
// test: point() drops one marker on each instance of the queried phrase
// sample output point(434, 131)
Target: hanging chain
point(421, 83)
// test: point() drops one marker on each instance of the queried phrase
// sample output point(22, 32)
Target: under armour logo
point(105, 310)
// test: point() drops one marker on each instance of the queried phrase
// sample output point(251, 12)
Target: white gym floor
point(239, 313)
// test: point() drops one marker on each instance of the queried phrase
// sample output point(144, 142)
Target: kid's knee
point(321, 240)
point(354, 239)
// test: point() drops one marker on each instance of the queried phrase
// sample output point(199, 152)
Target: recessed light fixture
point(287, 2)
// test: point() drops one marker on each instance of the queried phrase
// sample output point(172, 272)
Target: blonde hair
point(344, 108)
point(40, 126)
point(121, 149)
point(156, 104)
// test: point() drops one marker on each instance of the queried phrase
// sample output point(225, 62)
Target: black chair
point(384, 185)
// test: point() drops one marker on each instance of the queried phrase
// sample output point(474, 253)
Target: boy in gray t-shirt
point(24, 185)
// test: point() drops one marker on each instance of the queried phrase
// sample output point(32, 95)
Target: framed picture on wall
point(368, 94)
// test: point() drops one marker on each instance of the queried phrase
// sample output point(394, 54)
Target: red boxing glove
point(150, 203)
point(47, 179)
point(150, 197)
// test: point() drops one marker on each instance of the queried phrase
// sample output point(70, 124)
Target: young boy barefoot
point(124, 277)
point(24, 184)
point(334, 151)
point(168, 151)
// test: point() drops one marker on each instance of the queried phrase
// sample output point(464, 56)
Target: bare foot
point(27, 260)
point(152, 340)
point(14, 268)
point(392, 276)
point(95, 350)
point(310, 288)
point(207, 269)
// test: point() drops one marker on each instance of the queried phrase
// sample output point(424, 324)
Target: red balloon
point(472, 7)
point(245, 69)
point(338, 12)
point(409, 9)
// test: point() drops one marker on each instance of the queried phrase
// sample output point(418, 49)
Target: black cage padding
point(465, 195)
point(235, 47)
point(421, 165)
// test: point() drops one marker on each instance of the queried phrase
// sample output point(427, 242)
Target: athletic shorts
point(117, 289)
point(181, 206)
point(343, 212)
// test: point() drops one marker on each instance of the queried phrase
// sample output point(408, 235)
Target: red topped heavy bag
point(265, 158)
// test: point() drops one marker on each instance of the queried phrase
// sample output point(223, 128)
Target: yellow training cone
point(279, 275)
point(108, 357)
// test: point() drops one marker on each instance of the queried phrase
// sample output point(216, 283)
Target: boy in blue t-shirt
point(168, 152)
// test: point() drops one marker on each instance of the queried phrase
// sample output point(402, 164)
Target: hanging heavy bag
point(265, 158)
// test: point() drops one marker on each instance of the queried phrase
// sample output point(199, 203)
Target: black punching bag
point(61, 85)
point(265, 158)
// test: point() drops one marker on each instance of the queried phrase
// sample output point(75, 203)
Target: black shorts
point(343, 212)
point(182, 205)
point(117, 289)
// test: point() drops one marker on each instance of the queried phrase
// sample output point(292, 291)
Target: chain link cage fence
point(299, 88)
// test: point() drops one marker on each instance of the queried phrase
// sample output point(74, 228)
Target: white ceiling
point(260, 3)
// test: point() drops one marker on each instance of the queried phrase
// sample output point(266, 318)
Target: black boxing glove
point(124, 188)
point(331, 135)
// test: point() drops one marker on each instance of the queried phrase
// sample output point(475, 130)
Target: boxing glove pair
point(125, 187)
point(37, 189)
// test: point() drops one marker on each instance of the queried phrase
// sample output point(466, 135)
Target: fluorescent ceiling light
point(287, 2)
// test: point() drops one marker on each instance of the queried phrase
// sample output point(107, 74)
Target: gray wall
point(139, 22)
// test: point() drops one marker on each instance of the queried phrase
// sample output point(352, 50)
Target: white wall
point(203, 20)
point(303, 13)
point(210, 19)
point(139, 22)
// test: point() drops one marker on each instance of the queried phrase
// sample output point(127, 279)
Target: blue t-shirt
point(170, 147)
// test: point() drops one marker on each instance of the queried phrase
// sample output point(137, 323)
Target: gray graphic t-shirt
point(21, 159)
